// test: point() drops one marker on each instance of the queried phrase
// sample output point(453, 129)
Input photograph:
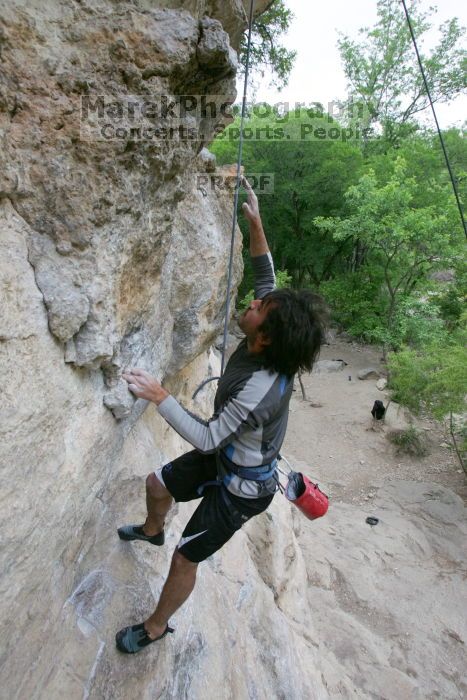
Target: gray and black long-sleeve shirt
point(251, 403)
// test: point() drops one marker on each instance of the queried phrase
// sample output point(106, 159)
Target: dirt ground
point(331, 435)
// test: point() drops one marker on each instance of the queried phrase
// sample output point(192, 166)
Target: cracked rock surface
point(111, 256)
point(103, 215)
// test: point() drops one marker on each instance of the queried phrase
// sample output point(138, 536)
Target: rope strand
point(237, 187)
point(443, 146)
point(234, 218)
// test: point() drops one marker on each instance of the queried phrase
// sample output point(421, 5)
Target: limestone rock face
point(112, 255)
point(101, 214)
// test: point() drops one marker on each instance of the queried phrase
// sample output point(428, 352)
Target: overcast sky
point(318, 75)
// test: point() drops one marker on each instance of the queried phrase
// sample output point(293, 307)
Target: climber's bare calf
point(177, 588)
point(158, 502)
point(182, 575)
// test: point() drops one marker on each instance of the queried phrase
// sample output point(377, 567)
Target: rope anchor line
point(235, 205)
point(443, 145)
point(237, 188)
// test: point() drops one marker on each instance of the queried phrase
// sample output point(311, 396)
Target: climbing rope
point(443, 146)
point(237, 188)
point(235, 205)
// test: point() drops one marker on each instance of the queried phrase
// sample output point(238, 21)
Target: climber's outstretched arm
point(258, 242)
point(247, 409)
point(261, 258)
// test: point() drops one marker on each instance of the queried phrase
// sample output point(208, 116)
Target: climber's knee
point(181, 563)
point(155, 487)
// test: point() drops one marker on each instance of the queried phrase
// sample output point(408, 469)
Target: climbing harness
point(243, 481)
point(303, 493)
point(443, 146)
point(235, 206)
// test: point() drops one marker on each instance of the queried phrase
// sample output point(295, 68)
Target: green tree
point(426, 164)
point(267, 55)
point(310, 179)
point(402, 243)
point(434, 381)
point(283, 279)
point(456, 146)
point(383, 73)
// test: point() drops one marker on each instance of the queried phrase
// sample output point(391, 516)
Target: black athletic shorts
point(219, 515)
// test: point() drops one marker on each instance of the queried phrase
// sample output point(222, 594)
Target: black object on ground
point(372, 521)
point(378, 410)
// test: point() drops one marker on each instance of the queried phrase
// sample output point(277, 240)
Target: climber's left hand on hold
point(144, 386)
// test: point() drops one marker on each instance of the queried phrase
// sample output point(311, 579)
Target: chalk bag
point(304, 494)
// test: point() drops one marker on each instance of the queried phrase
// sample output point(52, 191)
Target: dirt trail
point(331, 435)
point(387, 603)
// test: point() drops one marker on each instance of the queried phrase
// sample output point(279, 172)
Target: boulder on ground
point(329, 366)
point(344, 337)
point(369, 373)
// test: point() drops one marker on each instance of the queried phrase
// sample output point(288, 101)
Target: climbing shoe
point(135, 532)
point(130, 640)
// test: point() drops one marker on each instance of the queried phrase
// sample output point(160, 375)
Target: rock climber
point(233, 466)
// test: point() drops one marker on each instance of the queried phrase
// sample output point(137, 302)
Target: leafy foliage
point(310, 179)
point(267, 55)
point(283, 279)
point(357, 305)
point(383, 72)
point(434, 381)
point(451, 302)
point(402, 243)
point(408, 441)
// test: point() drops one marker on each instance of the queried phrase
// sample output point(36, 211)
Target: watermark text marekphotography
point(304, 132)
point(261, 183)
point(204, 117)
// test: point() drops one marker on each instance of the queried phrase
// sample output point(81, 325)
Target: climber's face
point(251, 321)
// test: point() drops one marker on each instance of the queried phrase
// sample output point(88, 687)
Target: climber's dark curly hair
point(295, 324)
